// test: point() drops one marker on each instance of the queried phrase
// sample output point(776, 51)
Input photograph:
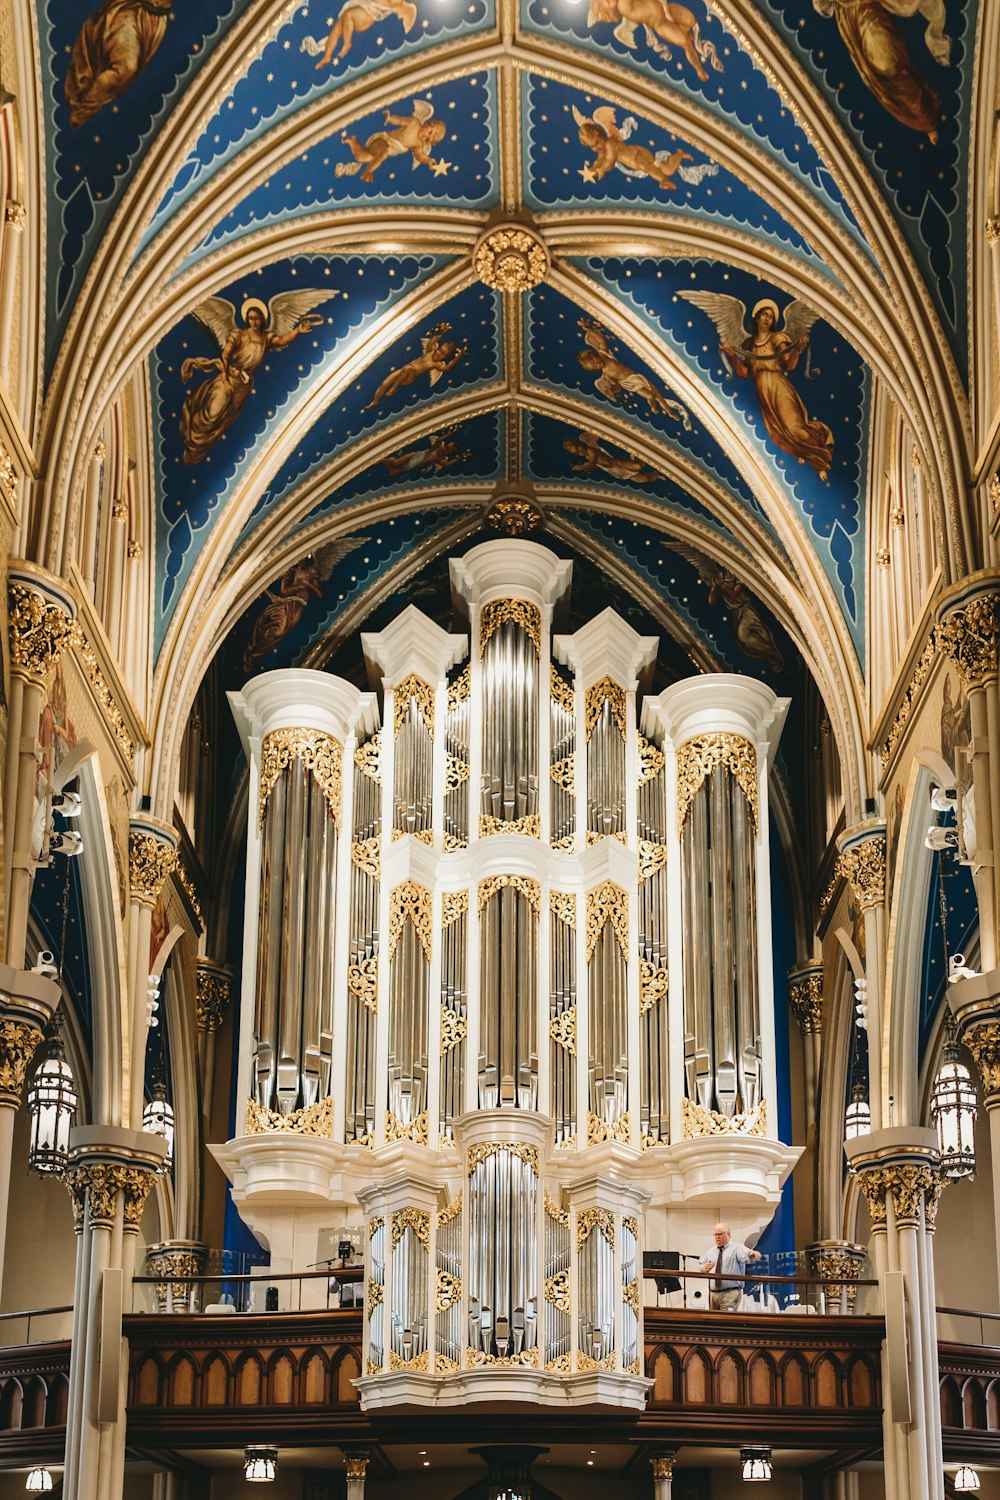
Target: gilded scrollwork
point(417, 1219)
point(368, 757)
point(18, 1041)
point(557, 1291)
point(983, 1040)
point(450, 1212)
point(607, 903)
point(528, 617)
point(528, 888)
point(420, 1362)
point(863, 866)
point(586, 1363)
point(376, 1293)
point(459, 689)
point(319, 752)
point(971, 637)
point(356, 1467)
point(414, 1130)
point(630, 1295)
point(448, 1290)
point(412, 689)
point(701, 756)
point(559, 1215)
point(599, 1130)
point(561, 691)
point(562, 905)
point(563, 772)
point(40, 630)
point(805, 999)
point(483, 1150)
point(652, 857)
point(366, 854)
point(606, 691)
point(362, 982)
point(651, 760)
point(410, 902)
point(654, 982)
point(530, 824)
point(589, 1219)
point(454, 1028)
point(698, 1121)
point(454, 905)
point(562, 1029)
point(213, 992)
point(527, 1359)
point(928, 657)
point(456, 773)
point(312, 1119)
point(151, 862)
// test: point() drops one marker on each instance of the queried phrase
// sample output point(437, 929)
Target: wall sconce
point(755, 1464)
point(260, 1465)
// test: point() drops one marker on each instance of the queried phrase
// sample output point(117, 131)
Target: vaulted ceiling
point(336, 163)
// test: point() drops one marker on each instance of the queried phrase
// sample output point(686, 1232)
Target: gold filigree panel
point(362, 982)
point(606, 691)
point(417, 1219)
point(410, 902)
point(311, 1119)
point(412, 689)
point(530, 824)
point(528, 617)
point(528, 888)
point(607, 903)
point(483, 1150)
point(589, 1219)
point(562, 1029)
point(698, 1121)
point(701, 756)
point(654, 983)
point(454, 1029)
point(319, 752)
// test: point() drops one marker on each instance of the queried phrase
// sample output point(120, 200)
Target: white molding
point(413, 643)
point(606, 646)
point(510, 569)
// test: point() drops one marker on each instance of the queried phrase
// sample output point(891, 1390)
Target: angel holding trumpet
point(214, 405)
point(767, 354)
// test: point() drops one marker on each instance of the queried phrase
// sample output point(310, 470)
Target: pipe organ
point(512, 943)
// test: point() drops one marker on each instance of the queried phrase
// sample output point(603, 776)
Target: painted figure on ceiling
point(879, 51)
point(666, 25)
point(767, 355)
point(287, 602)
point(614, 378)
point(438, 355)
point(114, 45)
point(357, 15)
point(589, 455)
point(612, 148)
point(214, 405)
point(727, 592)
point(416, 134)
point(439, 452)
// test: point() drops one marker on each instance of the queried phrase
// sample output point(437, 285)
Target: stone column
point(357, 1468)
point(861, 862)
point(14, 219)
point(662, 1465)
point(805, 1000)
point(976, 1006)
point(152, 859)
point(27, 1004)
point(841, 1264)
point(898, 1170)
point(213, 992)
point(969, 631)
point(175, 1258)
point(41, 625)
point(109, 1177)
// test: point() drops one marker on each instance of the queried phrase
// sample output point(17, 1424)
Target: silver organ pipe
point(362, 974)
point(456, 785)
point(562, 767)
point(654, 976)
point(454, 1008)
point(562, 1013)
point(508, 1051)
point(509, 669)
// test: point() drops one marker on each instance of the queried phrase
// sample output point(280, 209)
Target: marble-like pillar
point(27, 1004)
point(213, 992)
point(805, 1000)
point(862, 862)
point(662, 1465)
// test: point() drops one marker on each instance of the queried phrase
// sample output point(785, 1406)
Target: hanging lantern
point(756, 1464)
point(39, 1482)
point(52, 1101)
point(260, 1465)
point(858, 1120)
point(966, 1478)
point(158, 1119)
point(954, 1110)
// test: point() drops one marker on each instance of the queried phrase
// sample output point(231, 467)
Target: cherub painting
point(613, 148)
point(416, 134)
point(614, 378)
point(727, 592)
point(767, 355)
point(879, 51)
point(437, 356)
point(665, 24)
point(287, 601)
point(114, 45)
point(214, 405)
point(355, 16)
point(440, 451)
point(589, 454)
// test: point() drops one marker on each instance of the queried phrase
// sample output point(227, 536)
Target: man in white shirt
point(729, 1261)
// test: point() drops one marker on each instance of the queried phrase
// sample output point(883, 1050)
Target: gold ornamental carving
point(447, 1291)
point(662, 1467)
point(454, 904)
point(412, 689)
point(452, 843)
point(483, 1150)
point(983, 1040)
point(8, 478)
point(376, 1292)
point(213, 991)
point(372, 1366)
point(863, 866)
point(698, 1121)
point(366, 854)
point(445, 1366)
point(530, 825)
point(589, 1219)
point(425, 835)
point(528, 617)
point(606, 691)
point(511, 258)
point(18, 1041)
point(15, 214)
point(563, 772)
point(928, 657)
point(362, 982)
point(102, 691)
point(993, 490)
point(312, 1119)
point(562, 905)
point(449, 1213)
point(97, 1185)
point(414, 1130)
point(561, 1365)
point(599, 1130)
point(319, 752)
point(607, 903)
point(171, 1262)
point(971, 637)
point(368, 758)
point(356, 1468)
point(654, 982)
point(528, 888)
point(561, 691)
point(652, 858)
point(562, 1029)
point(417, 1219)
point(456, 773)
point(909, 1185)
point(559, 1215)
point(838, 1267)
point(701, 756)
point(40, 631)
point(805, 999)
point(420, 1362)
point(151, 862)
point(586, 1363)
point(476, 1358)
point(410, 902)
point(557, 1291)
point(459, 689)
point(992, 231)
point(651, 760)
point(454, 1028)
point(190, 890)
point(630, 1295)
point(514, 515)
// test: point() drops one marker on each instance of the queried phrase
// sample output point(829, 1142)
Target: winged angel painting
point(213, 406)
point(286, 604)
point(879, 52)
point(612, 148)
point(727, 592)
point(766, 354)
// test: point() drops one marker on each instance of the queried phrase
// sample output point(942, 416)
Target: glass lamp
point(52, 1101)
point(858, 1120)
point(158, 1119)
point(39, 1482)
point(260, 1465)
point(966, 1478)
point(954, 1110)
point(755, 1464)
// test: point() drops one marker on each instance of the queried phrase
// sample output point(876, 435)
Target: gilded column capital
point(982, 1038)
point(861, 862)
point(838, 1262)
point(152, 858)
point(805, 996)
point(41, 622)
point(993, 230)
point(993, 490)
point(213, 992)
point(14, 214)
point(910, 1185)
point(662, 1465)
point(18, 1041)
point(969, 628)
point(356, 1465)
point(99, 1184)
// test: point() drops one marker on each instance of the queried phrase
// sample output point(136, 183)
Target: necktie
point(717, 1285)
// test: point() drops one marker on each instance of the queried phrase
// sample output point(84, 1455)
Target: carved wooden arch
point(664, 1366)
point(762, 1380)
